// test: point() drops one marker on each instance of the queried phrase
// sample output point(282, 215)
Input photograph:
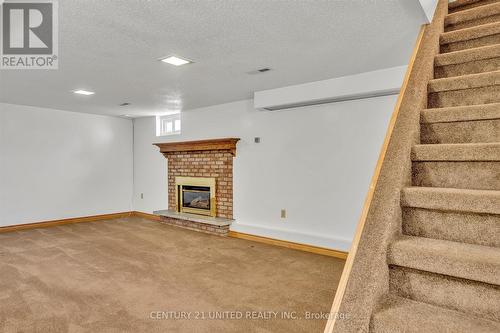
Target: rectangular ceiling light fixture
point(176, 61)
point(83, 92)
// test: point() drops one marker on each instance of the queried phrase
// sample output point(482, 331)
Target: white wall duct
point(365, 85)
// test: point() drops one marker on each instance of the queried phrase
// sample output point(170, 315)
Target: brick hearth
point(220, 230)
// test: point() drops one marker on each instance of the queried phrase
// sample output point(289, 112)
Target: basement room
point(249, 166)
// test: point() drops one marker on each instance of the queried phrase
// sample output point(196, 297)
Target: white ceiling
point(112, 46)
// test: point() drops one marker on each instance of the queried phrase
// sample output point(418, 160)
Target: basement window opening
point(168, 125)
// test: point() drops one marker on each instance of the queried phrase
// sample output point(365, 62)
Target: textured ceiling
point(112, 47)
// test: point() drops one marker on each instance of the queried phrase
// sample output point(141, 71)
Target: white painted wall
point(315, 161)
point(429, 7)
point(57, 164)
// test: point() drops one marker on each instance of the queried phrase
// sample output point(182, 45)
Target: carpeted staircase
point(444, 270)
point(443, 256)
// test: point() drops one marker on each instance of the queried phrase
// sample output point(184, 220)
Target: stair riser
point(472, 5)
point(480, 229)
point(403, 315)
point(472, 297)
point(475, 96)
point(473, 23)
point(472, 67)
point(451, 199)
point(462, 175)
point(461, 114)
point(480, 131)
point(468, 44)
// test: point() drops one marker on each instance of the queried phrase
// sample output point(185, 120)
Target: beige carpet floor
point(135, 275)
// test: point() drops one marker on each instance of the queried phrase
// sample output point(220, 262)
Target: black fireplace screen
point(196, 197)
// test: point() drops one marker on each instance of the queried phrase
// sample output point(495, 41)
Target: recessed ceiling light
point(83, 92)
point(176, 61)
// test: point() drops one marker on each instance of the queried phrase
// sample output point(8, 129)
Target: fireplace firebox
point(196, 195)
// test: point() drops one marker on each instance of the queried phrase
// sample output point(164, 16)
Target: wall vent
point(260, 71)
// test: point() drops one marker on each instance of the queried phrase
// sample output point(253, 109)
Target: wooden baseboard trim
point(290, 245)
point(234, 234)
point(146, 215)
point(53, 223)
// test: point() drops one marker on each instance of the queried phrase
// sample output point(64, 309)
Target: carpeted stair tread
point(457, 152)
point(470, 33)
point(457, 4)
point(452, 199)
point(468, 63)
point(463, 97)
point(473, 14)
point(404, 315)
point(460, 260)
point(472, 297)
point(465, 82)
point(472, 228)
point(467, 55)
point(461, 5)
point(473, 23)
point(456, 174)
point(469, 131)
point(461, 113)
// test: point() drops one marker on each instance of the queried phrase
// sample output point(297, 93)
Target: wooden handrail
point(373, 184)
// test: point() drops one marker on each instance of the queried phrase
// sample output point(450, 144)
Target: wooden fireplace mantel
point(199, 145)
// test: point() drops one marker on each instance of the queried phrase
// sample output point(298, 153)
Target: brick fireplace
point(192, 165)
